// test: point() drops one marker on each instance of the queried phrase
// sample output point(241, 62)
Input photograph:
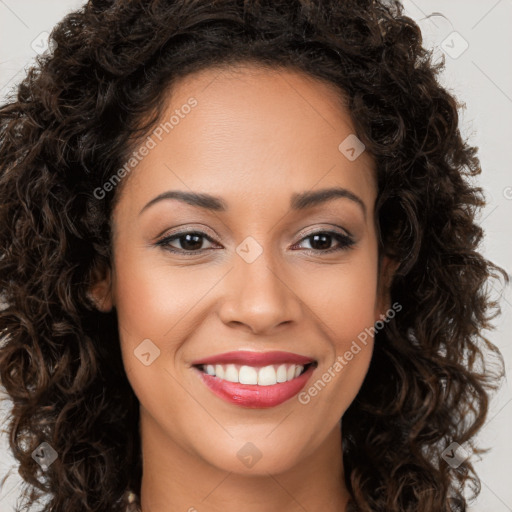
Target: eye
point(323, 239)
point(191, 242)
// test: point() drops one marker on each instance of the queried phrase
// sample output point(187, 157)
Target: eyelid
point(320, 228)
point(186, 228)
point(163, 241)
point(345, 240)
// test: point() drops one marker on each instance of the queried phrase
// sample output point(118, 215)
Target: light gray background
point(481, 77)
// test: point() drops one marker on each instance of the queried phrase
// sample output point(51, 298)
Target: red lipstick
point(251, 358)
point(256, 395)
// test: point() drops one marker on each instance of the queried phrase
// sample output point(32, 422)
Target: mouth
point(253, 375)
point(255, 379)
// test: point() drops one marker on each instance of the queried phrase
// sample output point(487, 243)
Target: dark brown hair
point(70, 127)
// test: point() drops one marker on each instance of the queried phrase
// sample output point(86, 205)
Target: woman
point(240, 263)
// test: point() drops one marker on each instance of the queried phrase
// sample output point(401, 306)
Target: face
point(260, 285)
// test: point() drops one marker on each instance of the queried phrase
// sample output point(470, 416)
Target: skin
point(298, 300)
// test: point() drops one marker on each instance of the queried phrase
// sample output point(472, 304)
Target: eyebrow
point(298, 201)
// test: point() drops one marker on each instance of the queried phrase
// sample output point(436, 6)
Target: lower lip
point(251, 395)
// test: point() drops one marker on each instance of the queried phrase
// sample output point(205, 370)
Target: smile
point(255, 384)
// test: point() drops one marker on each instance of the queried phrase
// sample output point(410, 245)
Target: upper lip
point(251, 358)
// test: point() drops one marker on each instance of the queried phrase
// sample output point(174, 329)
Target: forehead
point(251, 131)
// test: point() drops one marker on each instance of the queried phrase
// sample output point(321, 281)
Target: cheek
point(344, 298)
point(151, 302)
point(162, 303)
point(151, 299)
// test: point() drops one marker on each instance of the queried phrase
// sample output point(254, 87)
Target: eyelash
point(345, 241)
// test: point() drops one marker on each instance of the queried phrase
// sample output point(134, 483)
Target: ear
point(100, 292)
point(387, 268)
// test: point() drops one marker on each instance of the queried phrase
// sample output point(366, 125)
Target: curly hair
point(71, 124)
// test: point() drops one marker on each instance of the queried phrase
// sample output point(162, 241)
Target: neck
point(176, 479)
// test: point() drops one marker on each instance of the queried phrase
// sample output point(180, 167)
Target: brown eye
point(191, 242)
point(321, 241)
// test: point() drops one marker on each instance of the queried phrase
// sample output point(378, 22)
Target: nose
point(259, 296)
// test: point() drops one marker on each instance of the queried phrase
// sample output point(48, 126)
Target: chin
point(254, 456)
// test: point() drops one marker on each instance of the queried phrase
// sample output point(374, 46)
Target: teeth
point(267, 376)
point(281, 373)
point(231, 373)
point(248, 375)
point(262, 376)
point(219, 371)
